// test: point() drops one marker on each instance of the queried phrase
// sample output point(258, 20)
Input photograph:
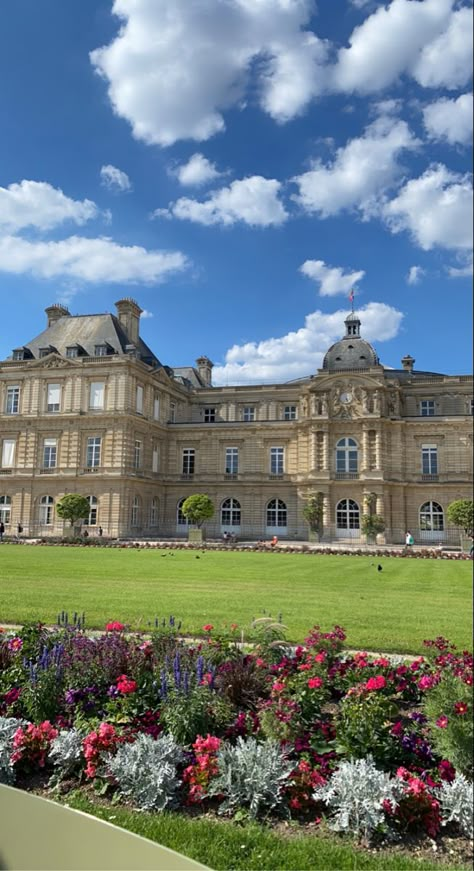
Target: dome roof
point(351, 352)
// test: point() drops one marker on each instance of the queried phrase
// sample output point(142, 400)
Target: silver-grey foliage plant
point(66, 754)
point(145, 771)
point(354, 796)
point(8, 727)
point(251, 775)
point(456, 799)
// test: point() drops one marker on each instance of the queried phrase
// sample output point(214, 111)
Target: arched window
point(136, 511)
point(347, 517)
point(181, 520)
point(5, 509)
point(91, 520)
point(277, 514)
point(230, 512)
point(431, 517)
point(346, 456)
point(153, 513)
point(46, 510)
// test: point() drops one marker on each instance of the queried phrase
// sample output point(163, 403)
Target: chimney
point(129, 312)
point(55, 312)
point(408, 363)
point(205, 370)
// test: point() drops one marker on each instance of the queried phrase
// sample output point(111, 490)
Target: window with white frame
point(156, 407)
point(189, 461)
point(427, 407)
point(91, 519)
point(135, 519)
point(429, 459)
point(137, 454)
point(230, 512)
point(8, 453)
point(277, 461)
point(172, 412)
point(431, 517)
point(155, 458)
point(96, 395)
point(12, 405)
point(93, 452)
point(72, 351)
point(346, 456)
point(5, 509)
point(231, 461)
point(289, 412)
point(248, 413)
point(50, 453)
point(139, 399)
point(277, 514)
point(153, 513)
point(53, 401)
point(181, 520)
point(209, 415)
point(46, 510)
point(19, 354)
point(100, 350)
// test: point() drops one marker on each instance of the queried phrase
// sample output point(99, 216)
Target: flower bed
point(372, 746)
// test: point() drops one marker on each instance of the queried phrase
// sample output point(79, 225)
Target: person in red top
point(274, 541)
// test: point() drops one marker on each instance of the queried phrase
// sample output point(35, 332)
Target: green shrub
point(198, 712)
point(363, 727)
point(448, 706)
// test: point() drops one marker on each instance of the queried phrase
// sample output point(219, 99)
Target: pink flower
point(446, 770)
point(382, 662)
point(320, 657)
point(397, 729)
point(278, 687)
point(315, 683)
point(15, 644)
point(425, 682)
point(460, 708)
point(305, 666)
point(208, 627)
point(126, 685)
point(114, 626)
point(442, 722)
point(376, 683)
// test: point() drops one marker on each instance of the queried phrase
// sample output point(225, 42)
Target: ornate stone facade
point(86, 407)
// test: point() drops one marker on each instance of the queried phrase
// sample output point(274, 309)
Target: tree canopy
point(73, 507)
point(461, 513)
point(313, 511)
point(198, 508)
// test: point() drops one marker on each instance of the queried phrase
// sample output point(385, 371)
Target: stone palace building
point(86, 407)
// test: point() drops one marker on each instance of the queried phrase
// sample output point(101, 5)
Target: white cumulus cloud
point(332, 280)
point(253, 201)
point(176, 66)
point(360, 172)
point(301, 352)
point(40, 205)
point(89, 260)
point(415, 274)
point(427, 39)
point(451, 120)
point(197, 171)
point(436, 209)
point(115, 179)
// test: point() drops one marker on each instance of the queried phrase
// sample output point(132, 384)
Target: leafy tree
point(372, 524)
point(461, 513)
point(313, 512)
point(73, 507)
point(198, 508)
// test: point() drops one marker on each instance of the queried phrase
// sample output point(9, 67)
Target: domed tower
point(351, 352)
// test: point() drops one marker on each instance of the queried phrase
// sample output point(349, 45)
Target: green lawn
point(223, 845)
point(391, 610)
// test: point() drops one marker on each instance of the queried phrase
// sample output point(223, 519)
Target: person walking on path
point(2, 530)
point(409, 540)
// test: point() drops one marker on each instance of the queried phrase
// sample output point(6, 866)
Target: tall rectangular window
point(54, 397)
point(156, 407)
point(172, 412)
point(189, 456)
point(50, 453)
point(139, 399)
point(209, 415)
point(427, 407)
point(289, 412)
point(277, 461)
point(96, 395)
point(93, 452)
point(137, 454)
point(231, 461)
point(155, 459)
point(248, 413)
point(429, 459)
point(8, 453)
point(13, 400)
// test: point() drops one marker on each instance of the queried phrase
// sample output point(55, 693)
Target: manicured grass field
point(391, 610)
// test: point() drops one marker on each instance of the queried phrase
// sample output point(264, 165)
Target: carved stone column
point(378, 450)
point(365, 450)
point(325, 451)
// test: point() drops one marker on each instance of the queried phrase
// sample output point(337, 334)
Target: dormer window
point(72, 351)
point(43, 352)
point(18, 354)
point(101, 350)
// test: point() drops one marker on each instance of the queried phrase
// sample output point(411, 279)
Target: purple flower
point(113, 692)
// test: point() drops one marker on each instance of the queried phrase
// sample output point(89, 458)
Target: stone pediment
point(343, 381)
point(53, 361)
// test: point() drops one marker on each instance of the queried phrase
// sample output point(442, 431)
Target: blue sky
point(237, 166)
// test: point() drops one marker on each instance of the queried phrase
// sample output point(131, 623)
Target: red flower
point(208, 627)
point(376, 683)
point(460, 708)
point(126, 685)
point(315, 683)
point(114, 626)
point(442, 722)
